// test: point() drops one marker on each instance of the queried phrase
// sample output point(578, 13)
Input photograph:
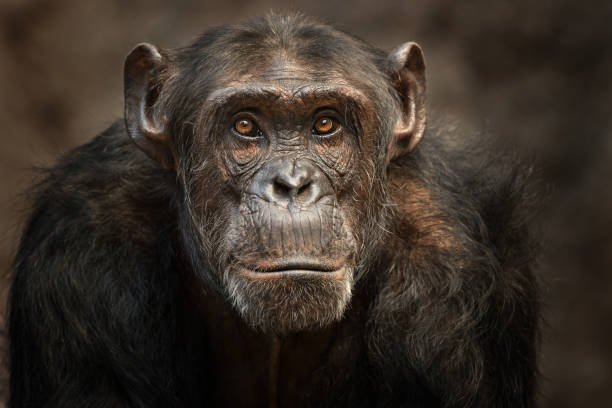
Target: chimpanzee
point(266, 230)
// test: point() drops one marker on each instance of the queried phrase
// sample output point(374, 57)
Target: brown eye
point(324, 126)
point(244, 126)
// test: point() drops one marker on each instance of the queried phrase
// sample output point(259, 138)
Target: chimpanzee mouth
point(291, 266)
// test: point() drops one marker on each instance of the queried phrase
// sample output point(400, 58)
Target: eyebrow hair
point(252, 91)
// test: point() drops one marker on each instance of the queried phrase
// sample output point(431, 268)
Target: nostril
point(281, 189)
point(293, 189)
point(303, 189)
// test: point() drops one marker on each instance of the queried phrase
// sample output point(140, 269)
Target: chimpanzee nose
point(290, 181)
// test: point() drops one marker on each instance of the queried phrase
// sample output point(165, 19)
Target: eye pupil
point(243, 126)
point(324, 125)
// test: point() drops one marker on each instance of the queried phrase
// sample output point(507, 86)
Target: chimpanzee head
point(280, 131)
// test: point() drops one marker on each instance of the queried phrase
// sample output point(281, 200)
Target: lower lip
point(291, 273)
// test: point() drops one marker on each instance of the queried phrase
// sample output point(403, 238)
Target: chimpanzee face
point(289, 149)
point(281, 142)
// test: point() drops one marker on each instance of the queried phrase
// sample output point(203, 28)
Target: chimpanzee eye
point(245, 127)
point(325, 125)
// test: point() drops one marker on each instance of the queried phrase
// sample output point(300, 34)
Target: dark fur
point(445, 306)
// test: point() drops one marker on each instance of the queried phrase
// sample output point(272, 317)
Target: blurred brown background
point(537, 74)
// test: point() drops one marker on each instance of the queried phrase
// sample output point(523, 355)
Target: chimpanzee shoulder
point(96, 264)
point(464, 227)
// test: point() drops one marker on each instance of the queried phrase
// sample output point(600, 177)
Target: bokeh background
point(536, 75)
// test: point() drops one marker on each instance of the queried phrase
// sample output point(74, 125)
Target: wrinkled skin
point(293, 228)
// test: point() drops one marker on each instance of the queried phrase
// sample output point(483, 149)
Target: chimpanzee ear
point(142, 80)
point(407, 67)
